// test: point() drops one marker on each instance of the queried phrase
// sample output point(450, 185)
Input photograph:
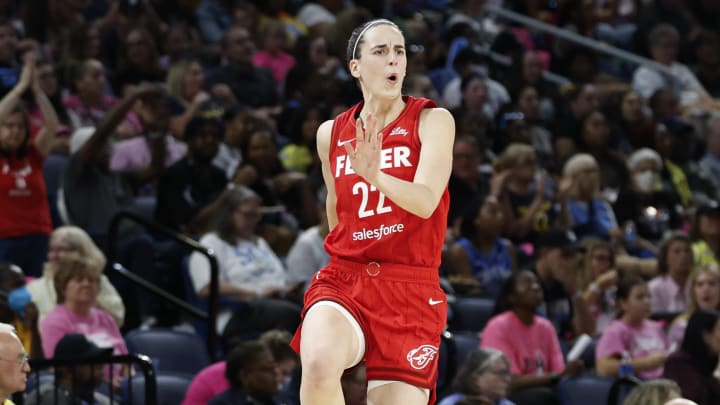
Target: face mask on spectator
point(645, 181)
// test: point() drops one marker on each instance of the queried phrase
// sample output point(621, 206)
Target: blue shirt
point(592, 220)
point(491, 270)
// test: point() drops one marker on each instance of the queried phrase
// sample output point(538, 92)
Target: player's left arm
point(422, 195)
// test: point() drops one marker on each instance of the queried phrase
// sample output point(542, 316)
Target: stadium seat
point(171, 388)
point(587, 389)
point(465, 343)
point(171, 350)
point(471, 314)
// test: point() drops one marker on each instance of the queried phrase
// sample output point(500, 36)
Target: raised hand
point(27, 75)
point(365, 158)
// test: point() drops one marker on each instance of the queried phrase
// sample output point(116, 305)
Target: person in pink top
point(77, 285)
point(208, 383)
point(272, 56)
point(670, 289)
point(633, 334)
point(529, 341)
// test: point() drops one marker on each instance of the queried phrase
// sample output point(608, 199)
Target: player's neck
point(384, 110)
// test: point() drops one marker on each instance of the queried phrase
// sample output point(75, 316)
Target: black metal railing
point(211, 314)
point(45, 372)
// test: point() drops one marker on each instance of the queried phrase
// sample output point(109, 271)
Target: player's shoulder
point(436, 115)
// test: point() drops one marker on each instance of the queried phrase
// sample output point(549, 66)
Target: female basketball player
point(386, 163)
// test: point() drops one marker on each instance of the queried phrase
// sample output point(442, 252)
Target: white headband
point(367, 27)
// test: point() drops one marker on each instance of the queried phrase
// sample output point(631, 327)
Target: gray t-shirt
point(93, 194)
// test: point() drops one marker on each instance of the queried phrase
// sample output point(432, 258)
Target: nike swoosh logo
point(341, 143)
point(433, 302)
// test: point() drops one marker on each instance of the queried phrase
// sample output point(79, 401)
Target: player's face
point(382, 64)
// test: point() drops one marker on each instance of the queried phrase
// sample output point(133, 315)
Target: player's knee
point(319, 371)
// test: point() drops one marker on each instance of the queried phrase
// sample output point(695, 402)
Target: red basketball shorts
point(401, 311)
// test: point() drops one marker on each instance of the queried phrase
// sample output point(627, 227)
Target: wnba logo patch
point(420, 357)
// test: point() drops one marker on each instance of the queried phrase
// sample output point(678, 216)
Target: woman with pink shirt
point(273, 56)
point(633, 334)
point(669, 290)
point(529, 341)
point(704, 295)
point(77, 285)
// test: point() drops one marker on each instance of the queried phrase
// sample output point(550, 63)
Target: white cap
point(80, 137)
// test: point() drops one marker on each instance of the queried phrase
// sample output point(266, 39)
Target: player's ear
point(354, 67)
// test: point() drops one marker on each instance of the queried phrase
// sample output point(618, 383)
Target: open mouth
point(392, 78)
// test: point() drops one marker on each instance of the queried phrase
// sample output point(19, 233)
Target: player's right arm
point(324, 139)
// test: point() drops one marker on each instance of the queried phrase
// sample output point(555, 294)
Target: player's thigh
point(330, 333)
point(397, 392)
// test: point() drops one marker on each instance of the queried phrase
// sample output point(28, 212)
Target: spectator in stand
point(598, 281)
point(473, 114)
point(527, 102)
point(657, 391)
point(631, 127)
point(529, 341)
point(180, 41)
point(467, 184)
point(308, 255)
point(581, 101)
point(529, 73)
point(595, 140)
point(82, 42)
point(140, 61)
point(705, 235)
point(192, 182)
point(632, 335)
point(481, 260)
point(704, 296)
point(214, 17)
point(77, 286)
point(90, 104)
point(559, 256)
point(252, 373)
point(711, 161)
point(587, 213)
point(74, 384)
point(249, 270)
point(14, 374)
point(10, 66)
point(252, 86)
point(185, 83)
point(706, 47)
point(678, 145)
point(71, 241)
point(644, 204)
point(670, 290)
point(89, 178)
point(47, 79)
point(16, 308)
point(525, 196)
point(156, 149)
point(315, 73)
point(262, 171)
point(484, 375)
point(273, 55)
point(286, 360)
point(663, 42)
point(25, 221)
point(693, 366)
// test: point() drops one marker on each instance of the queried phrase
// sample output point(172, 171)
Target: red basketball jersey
point(371, 227)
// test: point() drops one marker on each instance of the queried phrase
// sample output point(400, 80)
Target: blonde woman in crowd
point(704, 294)
point(68, 241)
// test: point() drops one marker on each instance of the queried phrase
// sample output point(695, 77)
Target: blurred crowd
point(583, 202)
